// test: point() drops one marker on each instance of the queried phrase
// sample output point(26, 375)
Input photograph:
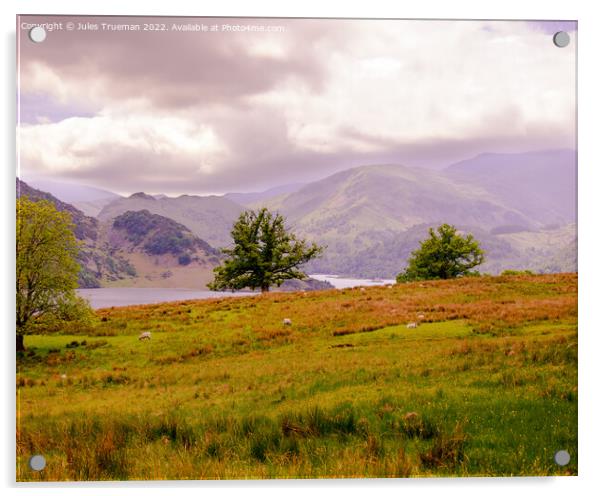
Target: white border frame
point(590, 178)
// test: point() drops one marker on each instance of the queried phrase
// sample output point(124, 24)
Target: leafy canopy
point(46, 267)
point(264, 253)
point(445, 254)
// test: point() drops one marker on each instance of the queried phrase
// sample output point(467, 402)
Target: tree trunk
point(265, 289)
point(20, 345)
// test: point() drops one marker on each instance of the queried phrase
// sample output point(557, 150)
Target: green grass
point(487, 385)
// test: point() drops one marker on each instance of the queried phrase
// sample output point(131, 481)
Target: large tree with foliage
point(264, 254)
point(445, 254)
point(47, 269)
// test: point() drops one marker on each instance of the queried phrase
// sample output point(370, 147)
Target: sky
point(263, 102)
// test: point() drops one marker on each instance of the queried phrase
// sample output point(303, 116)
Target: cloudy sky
point(216, 111)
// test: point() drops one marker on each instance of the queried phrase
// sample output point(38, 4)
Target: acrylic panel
point(295, 248)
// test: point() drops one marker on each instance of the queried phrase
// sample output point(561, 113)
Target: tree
point(264, 254)
point(443, 255)
point(46, 265)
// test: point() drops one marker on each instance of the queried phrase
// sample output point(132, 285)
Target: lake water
point(121, 297)
point(346, 282)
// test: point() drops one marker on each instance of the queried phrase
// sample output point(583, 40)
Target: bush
point(445, 254)
point(511, 272)
point(184, 259)
point(447, 450)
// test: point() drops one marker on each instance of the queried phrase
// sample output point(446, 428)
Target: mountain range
point(87, 199)
point(208, 217)
point(136, 249)
point(247, 199)
point(521, 207)
point(371, 218)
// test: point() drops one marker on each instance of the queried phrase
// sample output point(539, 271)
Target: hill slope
point(97, 263)
point(142, 249)
point(390, 197)
point(246, 199)
point(225, 390)
point(208, 217)
point(541, 185)
point(85, 227)
point(372, 217)
point(88, 199)
point(163, 252)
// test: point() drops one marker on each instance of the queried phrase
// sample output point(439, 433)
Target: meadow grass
point(486, 385)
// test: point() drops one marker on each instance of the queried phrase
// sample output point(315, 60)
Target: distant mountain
point(157, 235)
point(97, 263)
point(71, 192)
point(393, 197)
point(138, 248)
point(522, 207)
point(92, 208)
point(208, 217)
point(354, 211)
point(163, 252)
point(547, 250)
point(541, 251)
point(540, 185)
point(88, 199)
point(85, 227)
point(247, 199)
point(372, 217)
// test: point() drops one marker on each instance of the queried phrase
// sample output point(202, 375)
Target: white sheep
point(412, 325)
point(144, 335)
point(287, 322)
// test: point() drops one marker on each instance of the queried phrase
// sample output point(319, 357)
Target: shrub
point(447, 450)
point(511, 272)
point(184, 259)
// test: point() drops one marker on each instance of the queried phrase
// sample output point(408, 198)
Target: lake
point(346, 282)
point(121, 297)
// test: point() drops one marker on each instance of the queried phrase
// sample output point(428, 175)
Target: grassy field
point(486, 385)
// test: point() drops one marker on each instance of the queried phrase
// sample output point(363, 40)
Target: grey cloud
point(173, 69)
point(126, 171)
point(213, 83)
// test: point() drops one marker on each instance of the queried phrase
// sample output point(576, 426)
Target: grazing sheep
point(412, 325)
point(421, 316)
point(362, 289)
point(287, 322)
point(144, 335)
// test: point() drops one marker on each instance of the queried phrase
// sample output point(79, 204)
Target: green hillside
point(372, 217)
point(542, 185)
point(208, 217)
point(163, 252)
point(157, 235)
point(390, 197)
point(486, 385)
point(98, 263)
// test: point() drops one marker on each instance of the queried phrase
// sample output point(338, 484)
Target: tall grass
point(101, 448)
point(486, 385)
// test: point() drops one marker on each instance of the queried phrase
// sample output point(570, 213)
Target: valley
point(521, 207)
